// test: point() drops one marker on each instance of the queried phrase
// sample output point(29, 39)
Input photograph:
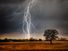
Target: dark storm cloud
point(10, 18)
point(45, 14)
point(11, 1)
point(51, 14)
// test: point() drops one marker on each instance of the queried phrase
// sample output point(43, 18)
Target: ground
point(34, 46)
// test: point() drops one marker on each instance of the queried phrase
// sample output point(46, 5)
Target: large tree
point(51, 34)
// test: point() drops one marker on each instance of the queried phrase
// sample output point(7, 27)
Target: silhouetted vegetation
point(31, 39)
point(19, 40)
point(51, 34)
point(40, 39)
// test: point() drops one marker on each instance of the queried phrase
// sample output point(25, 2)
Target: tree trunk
point(50, 41)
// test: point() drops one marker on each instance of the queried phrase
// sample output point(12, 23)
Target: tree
point(51, 34)
point(31, 39)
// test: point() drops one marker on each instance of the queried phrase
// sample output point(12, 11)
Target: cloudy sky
point(45, 14)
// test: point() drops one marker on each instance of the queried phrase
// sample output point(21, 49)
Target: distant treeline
point(18, 40)
point(24, 40)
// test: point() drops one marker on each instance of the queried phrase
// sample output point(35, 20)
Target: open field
point(34, 45)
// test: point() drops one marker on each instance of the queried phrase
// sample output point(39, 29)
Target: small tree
point(51, 34)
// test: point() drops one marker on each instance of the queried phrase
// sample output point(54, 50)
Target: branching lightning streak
point(27, 19)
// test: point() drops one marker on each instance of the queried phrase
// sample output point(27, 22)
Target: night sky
point(46, 14)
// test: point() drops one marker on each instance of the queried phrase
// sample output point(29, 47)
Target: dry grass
point(35, 45)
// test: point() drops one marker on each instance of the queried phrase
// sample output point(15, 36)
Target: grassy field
point(34, 46)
